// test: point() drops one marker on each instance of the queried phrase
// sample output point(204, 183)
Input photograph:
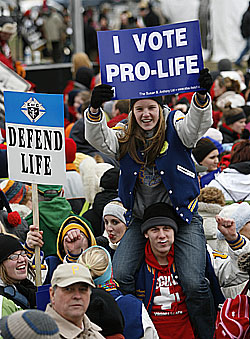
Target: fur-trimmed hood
point(91, 173)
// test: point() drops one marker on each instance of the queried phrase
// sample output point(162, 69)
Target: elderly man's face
point(71, 302)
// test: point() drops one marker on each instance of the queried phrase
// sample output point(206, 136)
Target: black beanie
point(157, 99)
point(203, 147)
point(159, 214)
point(104, 312)
point(84, 76)
point(8, 245)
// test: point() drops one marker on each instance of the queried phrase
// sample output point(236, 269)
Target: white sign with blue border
point(152, 61)
point(35, 137)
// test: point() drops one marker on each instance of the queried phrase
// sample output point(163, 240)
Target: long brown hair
point(134, 139)
point(240, 152)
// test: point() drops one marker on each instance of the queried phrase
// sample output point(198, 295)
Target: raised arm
point(97, 133)
point(192, 126)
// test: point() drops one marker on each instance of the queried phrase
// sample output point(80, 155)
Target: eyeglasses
point(15, 257)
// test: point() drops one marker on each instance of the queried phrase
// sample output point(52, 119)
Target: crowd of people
point(149, 235)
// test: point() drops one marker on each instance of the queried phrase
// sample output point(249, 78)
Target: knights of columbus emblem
point(33, 109)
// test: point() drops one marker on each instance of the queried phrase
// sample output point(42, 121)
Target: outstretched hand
point(227, 227)
point(205, 80)
point(101, 94)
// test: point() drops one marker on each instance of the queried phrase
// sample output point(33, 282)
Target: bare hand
point(74, 241)
point(227, 227)
point(34, 238)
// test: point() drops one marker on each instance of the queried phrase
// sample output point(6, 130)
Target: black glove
point(205, 80)
point(101, 94)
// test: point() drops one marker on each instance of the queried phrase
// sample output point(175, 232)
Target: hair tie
point(88, 266)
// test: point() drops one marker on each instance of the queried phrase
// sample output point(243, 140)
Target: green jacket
point(7, 306)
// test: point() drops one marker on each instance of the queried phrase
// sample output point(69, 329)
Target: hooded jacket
point(234, 182)
point(51, 215)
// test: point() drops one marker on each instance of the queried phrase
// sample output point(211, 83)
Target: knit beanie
point(203, 147)
point(214, 134)
point(8, 245)
point(15, 191)
point(230, 119)
point(116, 209)
point(29, 324)
point(159, 214)
point(104, 312)
point(84, 76)
point(239, 212)
point(157, 99)
point(70, 150)
point(69, 224)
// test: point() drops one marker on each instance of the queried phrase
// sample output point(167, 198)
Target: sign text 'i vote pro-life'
point(35, 137)
point(144, 62)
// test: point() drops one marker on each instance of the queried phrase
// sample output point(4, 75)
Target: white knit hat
point(239, 212)
point(214, 134)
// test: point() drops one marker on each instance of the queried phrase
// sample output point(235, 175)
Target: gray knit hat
point(115, 208)
point(29, 324)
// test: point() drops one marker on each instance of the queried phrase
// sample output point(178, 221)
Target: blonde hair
point(4, 275)
point(79, 60)
point(134, 139)
point(96, 260)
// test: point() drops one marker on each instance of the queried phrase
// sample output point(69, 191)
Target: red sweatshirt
point(169, 312)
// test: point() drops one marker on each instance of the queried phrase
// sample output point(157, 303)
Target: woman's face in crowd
point(217, 89)
point(238, 126)
point(211, 160)
point(146, 113)
point(114, 227)
point(17, 268)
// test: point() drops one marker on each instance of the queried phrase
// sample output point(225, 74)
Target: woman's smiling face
point(146, 113)
point(17, 269)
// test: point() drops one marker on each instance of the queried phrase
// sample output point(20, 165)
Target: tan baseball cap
point(68, 274)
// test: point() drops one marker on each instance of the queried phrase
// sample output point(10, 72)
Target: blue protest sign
point(35, 137)
point(151, 61)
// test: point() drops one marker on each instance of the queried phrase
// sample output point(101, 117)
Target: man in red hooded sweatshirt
point(157, 283)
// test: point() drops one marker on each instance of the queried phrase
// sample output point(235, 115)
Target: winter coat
point(229, 136)
point(188, 128)
point(231, 279)
point(51, 215)
point(17, 297)
point(234, 182)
